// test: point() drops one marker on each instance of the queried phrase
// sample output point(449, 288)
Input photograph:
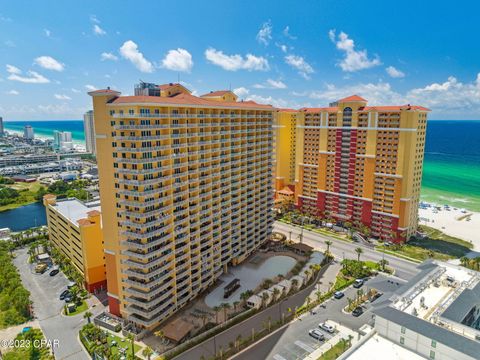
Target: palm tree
point(147, 352)
point(87, 316)
point(383, 263)
point(295, 283)
point(276, 292)
point(359, 252)
point(235, 304)
point(319, 295)
point(265, 297)
point(131, 338)
point(328, 243)
point(216, 309)
point(225, 307)
point(431, 254)
point(307, 273)
point(464, 261)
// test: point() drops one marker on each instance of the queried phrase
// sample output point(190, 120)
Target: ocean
point(451, 171)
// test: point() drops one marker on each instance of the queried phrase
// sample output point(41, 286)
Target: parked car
point(338, 295)
point(376, 296)
point(357, 311)
point(358, 283)
point(54, 272)
point(316, 334)
point(64, 294)
point(328, 328)
point(41, 268)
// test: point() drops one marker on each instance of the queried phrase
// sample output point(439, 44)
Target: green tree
point(87, 316)
point(359, 252)
point(147, 352)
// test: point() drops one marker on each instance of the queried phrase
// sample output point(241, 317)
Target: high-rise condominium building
point(2, 130)
point(89, 130)
point(28, 132)
point(362, 164)
point(62, 140)
point(186, 191)
point(285, 153)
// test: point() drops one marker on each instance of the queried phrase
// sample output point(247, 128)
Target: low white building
point(254, 301)
point(299, 279)
point(286, 285)
point(279, 293)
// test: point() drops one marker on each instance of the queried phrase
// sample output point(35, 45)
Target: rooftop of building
point(74, 209)
point(216, 93)
point(355, 98)
point(182, 98)
point(439, 290)
point(377, 347)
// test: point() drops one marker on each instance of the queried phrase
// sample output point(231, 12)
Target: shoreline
point(451, 220)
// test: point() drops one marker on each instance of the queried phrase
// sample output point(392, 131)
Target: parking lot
point(294, 342)
point(47, 308)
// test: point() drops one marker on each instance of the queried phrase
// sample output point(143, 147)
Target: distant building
point(28, 132)
point(2, 130)
point(62, 140)
point(75, 229)
point(89, 129)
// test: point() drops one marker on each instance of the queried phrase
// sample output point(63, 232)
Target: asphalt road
point(404, 269)
point(44, 292)
point(294, 342)
point(256, 322)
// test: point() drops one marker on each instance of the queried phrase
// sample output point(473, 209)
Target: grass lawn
point(27, 192)
point(121, 343)
point(79, 309)
point(441, 246)
point(335, 352)
point(342, 282)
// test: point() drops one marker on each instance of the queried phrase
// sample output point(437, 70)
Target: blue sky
point(287, 53)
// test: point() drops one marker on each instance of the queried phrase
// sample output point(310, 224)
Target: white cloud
point(271, 84)
point(97, 30)
point(278, 102)
point(49, 63)
point(108, 56)
point(354, 60)
point(129, 51)
point(264, 35)
point(299, 63)
point(75, 90)
point(90, 87)
point(62, 97)
point(32, 78)
point(241, 92)
point(47, 32)
point(394, 72)
point(5, 18)
point(94, 19)
point(236, 62)
point(284, 48)
point(12, 92)
point(178, 60)
point(286, 33)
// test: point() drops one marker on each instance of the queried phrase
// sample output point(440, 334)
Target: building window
point(402, 340)
point(432, 354)
point(403, 330)
point(434, 344)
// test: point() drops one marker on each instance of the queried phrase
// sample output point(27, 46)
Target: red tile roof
point(103, 91)
point(188, 99)
point(216, 93)
point(287, 110)
point(352, 98)
point(370, 108)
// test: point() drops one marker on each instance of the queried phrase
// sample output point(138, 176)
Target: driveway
point(44, 292)
point(293, 342)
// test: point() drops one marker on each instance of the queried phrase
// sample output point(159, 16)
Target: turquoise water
point(46, 128)
point(451, 172)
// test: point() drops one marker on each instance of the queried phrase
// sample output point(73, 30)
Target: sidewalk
point(323, 285)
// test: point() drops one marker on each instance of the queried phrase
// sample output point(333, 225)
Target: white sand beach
point(460, 223)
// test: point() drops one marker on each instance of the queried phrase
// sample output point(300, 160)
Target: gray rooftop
point(425, 268)
point(74, 209)
point(427, 329)
point(461, 306)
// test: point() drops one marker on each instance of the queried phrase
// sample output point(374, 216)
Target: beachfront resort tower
point(362, 165)
point(28, 132)
point(186, 191)
point(89, 130)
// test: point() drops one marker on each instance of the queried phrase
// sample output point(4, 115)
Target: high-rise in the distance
point(62, 140)
point(89, 130)
point(28, 132)
point(362, 165)
point(186, 192)
point(2, 130)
